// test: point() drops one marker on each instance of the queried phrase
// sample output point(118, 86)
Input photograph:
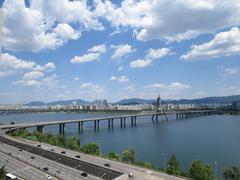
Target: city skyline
point(89, 50)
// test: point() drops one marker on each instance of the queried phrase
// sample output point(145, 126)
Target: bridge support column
point(121, 122)
point(132, 121)
point(156, 117)
point(95, 125)
point(112, 123)
point(135, 120)
point(153, 117)
point(61, 128)
point(98, 123)
point(40, 129)
point(124, 122)
point(109, 123)
point(80, 126)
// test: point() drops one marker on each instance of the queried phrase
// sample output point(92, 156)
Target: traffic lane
point(21, 169)
point(54, 168)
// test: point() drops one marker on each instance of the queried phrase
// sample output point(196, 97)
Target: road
point(31, 167)
point(138, 172)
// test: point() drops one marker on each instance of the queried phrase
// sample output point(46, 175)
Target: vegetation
point(2, 173)
point(129, 155)
point(91, 148)
point(173, 165)
point(198, 171)
point(232, 173)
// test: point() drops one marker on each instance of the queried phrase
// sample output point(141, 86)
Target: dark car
point(45, 168)
point(84, 174)
point(63, 152)
point(107, 165)
point(32, 157)
point(20, 150)
point(39, 145)
point(78, 156)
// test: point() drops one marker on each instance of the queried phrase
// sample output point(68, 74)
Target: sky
point(96, 49)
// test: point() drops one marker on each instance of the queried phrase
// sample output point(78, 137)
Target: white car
point(48, 177)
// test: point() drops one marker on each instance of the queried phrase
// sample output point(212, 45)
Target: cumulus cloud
point(93, 54)
point(45, 24)
point(91, 90)
point(140, 63)
point(223, 44)
point(174, 86)
point(231, 71)
point(33, 75)
point(121, 51)
point(156, 20)
point(158, 53)
point(10, 65)
point(121, 79)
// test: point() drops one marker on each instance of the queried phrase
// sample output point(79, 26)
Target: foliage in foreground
point(200, 171)
point(232, 173)
point(2, 173)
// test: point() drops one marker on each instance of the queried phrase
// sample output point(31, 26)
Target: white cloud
point(231, 71)
point(158, 53)
point(45, 24)
point(177, 86)
point(174, 86)
point(121, 79)
point(130, 88)
point(140, 63)
point(98, 49)
point(10, 65)
point(120, 68)
point(157, 20)
point(91, 90)
point(121, 51)
point(27, 82)
point(93, 54)
point(223, 44)
point(33, 75)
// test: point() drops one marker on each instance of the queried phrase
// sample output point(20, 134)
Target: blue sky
point(112, 50)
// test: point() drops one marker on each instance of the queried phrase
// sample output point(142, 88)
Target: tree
point(173, 166)
point(198, 171)
point(114, 156)
point(91, 148)
point(232, 173)
point(129, 155)
point(2, 172)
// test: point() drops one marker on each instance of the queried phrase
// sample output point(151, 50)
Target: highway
point(31, 167)
point(139, 173)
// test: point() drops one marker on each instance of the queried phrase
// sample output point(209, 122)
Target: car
point(32, 157)
point(45, 168)
point(20, 150)
point(84, 174)
point(63, 152)
point(58, 171)
point(130, 175)
point(107, 165)
point(9, 154)
point(39, 145)
point(48, 177)
point(78, 156)
point(52, 149)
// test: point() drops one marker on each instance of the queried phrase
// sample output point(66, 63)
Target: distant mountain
point(135, 101)
point(206, 100)
point(35, 103)
point(61, 102)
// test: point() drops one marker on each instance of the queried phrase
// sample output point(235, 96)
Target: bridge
point(96, 121)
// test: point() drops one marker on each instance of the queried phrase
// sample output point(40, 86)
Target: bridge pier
point(112, 123)
point(109, 123)
point(80, 126)
point(135, 120)
point(132, 121)
point(40, 129)
point(62, 128)
point(124, 121)
point(121, 122)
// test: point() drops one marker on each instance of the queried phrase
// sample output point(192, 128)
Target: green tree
point(199, 171)
point(232, 173)
point(91, 148)
point(113, 155)
point(129, 155)
point(173, 166)
point(2, 173)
